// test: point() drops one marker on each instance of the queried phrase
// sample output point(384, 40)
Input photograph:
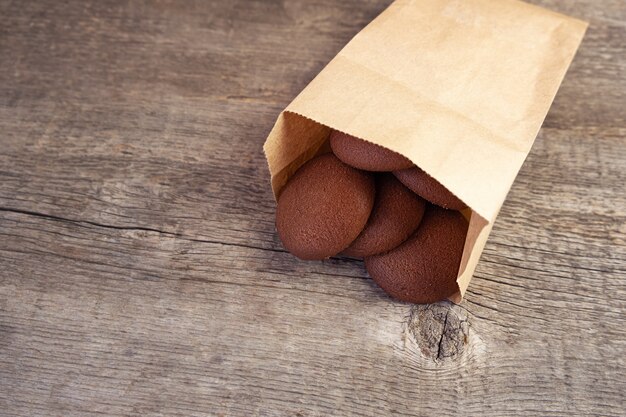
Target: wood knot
point(441, 330)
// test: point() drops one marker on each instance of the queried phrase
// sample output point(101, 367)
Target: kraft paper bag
point(460, 87)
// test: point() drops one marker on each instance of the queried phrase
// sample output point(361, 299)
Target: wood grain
point(140, 273)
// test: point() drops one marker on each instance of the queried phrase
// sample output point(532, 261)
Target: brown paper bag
point(460, 87)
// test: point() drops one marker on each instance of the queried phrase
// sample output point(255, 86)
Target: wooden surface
point(140, 273)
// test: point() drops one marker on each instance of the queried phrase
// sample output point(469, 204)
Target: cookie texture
point(324, 207)
point(424, 268)
point(396, 215)
point(429, 188)
point(365, 155)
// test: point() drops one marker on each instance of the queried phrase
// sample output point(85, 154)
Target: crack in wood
point(443, 333)
point(132, 228)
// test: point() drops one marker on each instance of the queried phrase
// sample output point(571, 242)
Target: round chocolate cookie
point(396, 214)
point(424, 268)
point(429, 188)
point(324, 207)
point(366, 155)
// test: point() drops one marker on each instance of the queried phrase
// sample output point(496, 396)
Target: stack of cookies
point(367, 201)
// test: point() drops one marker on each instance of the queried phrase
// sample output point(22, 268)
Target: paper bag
point(460, 87)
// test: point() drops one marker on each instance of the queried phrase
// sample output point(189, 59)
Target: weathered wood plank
point(224, 328)
point(151, 148)
point(140, 273)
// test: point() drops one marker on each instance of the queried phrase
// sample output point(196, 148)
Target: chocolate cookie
point(424, 268)
point(396, 214)
point(366, 155)
point(426, 186)
point(324, 207)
